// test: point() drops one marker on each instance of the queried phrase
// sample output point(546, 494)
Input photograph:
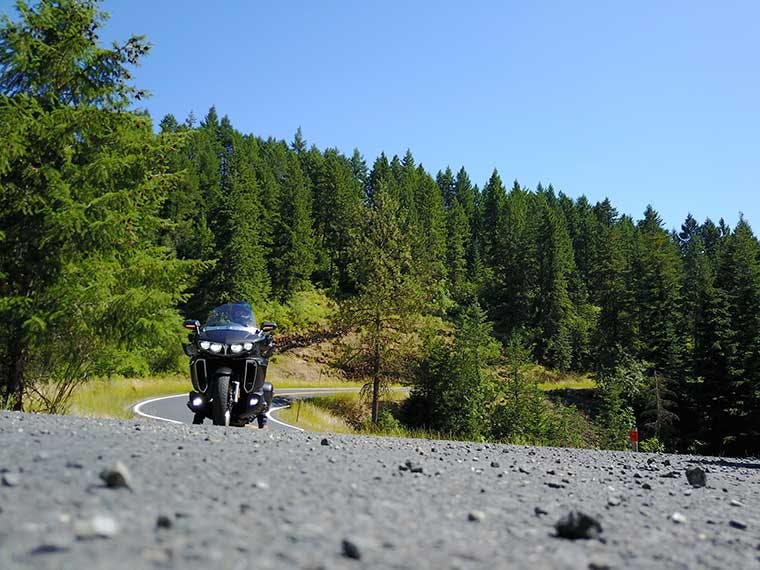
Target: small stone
point(646, 486)
point(678, 518)
point(49, 548)
point(261, 485)
point(576, 524)
point(116, 476)
point(476, 516)
point(164, 521)
point(413, 466)
point(671, 474)
point(696, 477)
point(495, 464)
point(99, 526)
point(10, 479)
point(538, 511)
point(350, 550)
point(599, 564)
point(741, 525)
point(555, 484)
point(735, 503)
point(613, 501)
point(325, 441)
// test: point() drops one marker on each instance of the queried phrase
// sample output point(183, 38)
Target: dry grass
point(553, 380)
point(312, 417)
point(114, 397)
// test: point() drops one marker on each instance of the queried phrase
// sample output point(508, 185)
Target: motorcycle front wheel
point(220, 409)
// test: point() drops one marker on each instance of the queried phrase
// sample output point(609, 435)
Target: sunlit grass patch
point(311, 417)
point(114, 397)
point(553, 380)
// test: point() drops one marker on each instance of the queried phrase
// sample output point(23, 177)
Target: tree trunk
point(376, 371)
point(15, 380)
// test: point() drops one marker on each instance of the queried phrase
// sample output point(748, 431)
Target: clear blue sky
point(639, 101)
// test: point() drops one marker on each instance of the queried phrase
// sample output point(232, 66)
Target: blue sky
point(645, 102)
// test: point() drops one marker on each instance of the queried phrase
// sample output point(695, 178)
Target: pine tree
point(455, 383)
point(456, 250)
point(241, 271)
point(740, 279)
point(555, 311)
point(86, 286)
point(658, 281)
point(342, 198)
point(429, 239)
point(294, 255)
point(445, 182)
point(388, 298)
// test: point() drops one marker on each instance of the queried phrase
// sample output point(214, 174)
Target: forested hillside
point(110, 233)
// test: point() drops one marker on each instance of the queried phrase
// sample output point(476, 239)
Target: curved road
point(173, 409)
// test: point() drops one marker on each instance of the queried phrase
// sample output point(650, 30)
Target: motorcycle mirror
point(191, 324)
point(268, 326)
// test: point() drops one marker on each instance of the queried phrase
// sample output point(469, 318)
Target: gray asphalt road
point(173, 409)
point(224, 498)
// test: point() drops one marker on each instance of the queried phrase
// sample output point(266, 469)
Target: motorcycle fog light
point(248, 345)
point(215, 347)
point(197, 402)
point(205, 344)
point(235, 348)
point(253, 401)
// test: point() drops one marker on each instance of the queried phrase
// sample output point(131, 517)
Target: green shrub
point(652, 445)
point(304, 310)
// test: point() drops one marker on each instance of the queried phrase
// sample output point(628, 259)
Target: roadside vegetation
point(481, 299)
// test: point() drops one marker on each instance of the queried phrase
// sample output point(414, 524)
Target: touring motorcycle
point(229, 356)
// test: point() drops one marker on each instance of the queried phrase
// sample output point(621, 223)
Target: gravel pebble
point(576, 524)
point(116, 476)
point(696, 477)
point(99, 526)
point(351, 550)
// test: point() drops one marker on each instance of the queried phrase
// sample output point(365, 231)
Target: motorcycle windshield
point(231, 315)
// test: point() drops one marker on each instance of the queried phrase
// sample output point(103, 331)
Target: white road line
point(137, 409)
point(269, 415)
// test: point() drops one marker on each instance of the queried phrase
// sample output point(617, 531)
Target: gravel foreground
point(86, 493)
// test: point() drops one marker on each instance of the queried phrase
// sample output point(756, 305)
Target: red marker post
point(633, 436)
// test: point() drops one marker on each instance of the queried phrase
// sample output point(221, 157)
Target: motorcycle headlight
point(248, 345)
point(236, 348)
point(205, 344)
point(215, 347)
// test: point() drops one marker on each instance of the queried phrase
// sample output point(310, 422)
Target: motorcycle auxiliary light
point(215, 347)
point(253, 401)
point(205, 344)
point(248, 345)
point(236, 348)
point(197, 402)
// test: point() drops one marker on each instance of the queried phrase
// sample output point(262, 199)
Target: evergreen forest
point(113, 229)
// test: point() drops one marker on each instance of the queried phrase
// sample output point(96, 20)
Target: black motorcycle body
point(229, 357)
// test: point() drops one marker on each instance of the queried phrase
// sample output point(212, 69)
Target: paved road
point(173, 409)
point(231, 499)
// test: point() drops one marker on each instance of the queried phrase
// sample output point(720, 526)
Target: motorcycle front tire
point(221, 397)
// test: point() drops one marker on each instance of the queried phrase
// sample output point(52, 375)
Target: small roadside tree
point(388, 301)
